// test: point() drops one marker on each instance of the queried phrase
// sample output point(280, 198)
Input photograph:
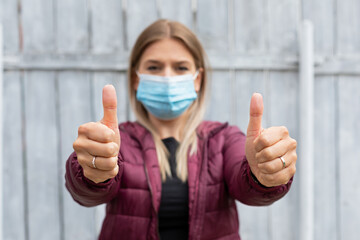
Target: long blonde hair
point(162, 29)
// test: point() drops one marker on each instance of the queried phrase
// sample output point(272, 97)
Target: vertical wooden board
point(9, 19)
point(41, 155)
point(13, 169)
point(282, 26)
point(321, 14)
point(37, 21)
point(348, 32)
point(253, 220)
point(118, 80)
point(349, 152)
point(74, 93)
point(107, 26)
point(171, 9)
point(140, 14)
point(284, 109)
point(220, 106)
point(212, 24)
point(72, 26)
point(325, 190)
point(250, 27)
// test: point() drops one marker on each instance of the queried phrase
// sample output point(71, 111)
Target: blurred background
point(58, 54)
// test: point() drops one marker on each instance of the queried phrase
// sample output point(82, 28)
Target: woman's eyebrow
point(152, 61)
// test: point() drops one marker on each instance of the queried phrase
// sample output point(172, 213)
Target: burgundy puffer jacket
point(217, 175)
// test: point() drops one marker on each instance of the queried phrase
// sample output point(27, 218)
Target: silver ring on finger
point(93, 161)
point(283, 162)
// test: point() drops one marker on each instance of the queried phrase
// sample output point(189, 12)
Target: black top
point(174, 204)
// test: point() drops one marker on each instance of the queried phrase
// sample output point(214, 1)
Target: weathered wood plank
point(9, 18)
point(74, 109)
point(37, 22)
point(42, 156)
point(320, 13)
point(250, 26)
point(140, 14)
point(72, 29)
point(325, 204)
point(107, 26)
point(220, 97)
point(13, 169)
point(347, 25)
point(348, 156)
point(282, 21)
point(283, 110)
point(252, 224)
point(211, 30)
point(171, 9)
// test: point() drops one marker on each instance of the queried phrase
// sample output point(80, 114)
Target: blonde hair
point(162, 29)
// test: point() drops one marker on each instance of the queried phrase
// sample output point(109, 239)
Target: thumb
point(256, 112)
point(110, 105)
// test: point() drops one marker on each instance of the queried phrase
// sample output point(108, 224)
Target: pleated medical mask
point(166, 97)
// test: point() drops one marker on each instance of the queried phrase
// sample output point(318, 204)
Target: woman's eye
point(152, 68)
point(182, 68)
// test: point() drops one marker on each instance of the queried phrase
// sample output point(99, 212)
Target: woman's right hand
point(100, 140)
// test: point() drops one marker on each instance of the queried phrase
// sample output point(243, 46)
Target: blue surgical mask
point(166, 97)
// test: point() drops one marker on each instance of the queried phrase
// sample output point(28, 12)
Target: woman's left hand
point(271, 152)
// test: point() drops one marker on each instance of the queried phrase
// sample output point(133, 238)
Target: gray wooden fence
point(59, 54)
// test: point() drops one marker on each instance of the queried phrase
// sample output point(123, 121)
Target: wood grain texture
point(72, 29)
point(171, 9)
point(349, 152)
point(348, 32)
point(282, 26)
point(13, 168)
point(320, 13)
point(212, 24)
point(9, 18)
point(74, 99)
point(220, 97)
point(106, 27)
point(140, 14)
point(38, 26)
point(250, 26)
point(42, 141)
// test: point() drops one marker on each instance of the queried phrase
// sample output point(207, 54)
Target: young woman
point(171, 175)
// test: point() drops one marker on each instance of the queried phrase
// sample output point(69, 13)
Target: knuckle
point(76, 145)
point(293, 143)
point(264, 140)
point(271, 168)
point(284, 130)
point(111, 149)
point(83, 129)
point(267, 153)
point(114, 172)
point(108, 136)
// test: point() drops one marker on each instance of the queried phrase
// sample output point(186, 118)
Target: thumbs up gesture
point(97, 145)
point(271, 153)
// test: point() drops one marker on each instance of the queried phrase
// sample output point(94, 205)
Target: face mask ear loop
point(196, 74)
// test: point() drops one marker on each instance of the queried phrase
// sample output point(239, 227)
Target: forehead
point(167, 49)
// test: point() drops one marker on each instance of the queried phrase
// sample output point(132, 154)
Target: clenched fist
point(98, 143)
point(271, 153)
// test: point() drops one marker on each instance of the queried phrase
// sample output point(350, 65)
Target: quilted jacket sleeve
point(242, 186)
point(86, 192)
